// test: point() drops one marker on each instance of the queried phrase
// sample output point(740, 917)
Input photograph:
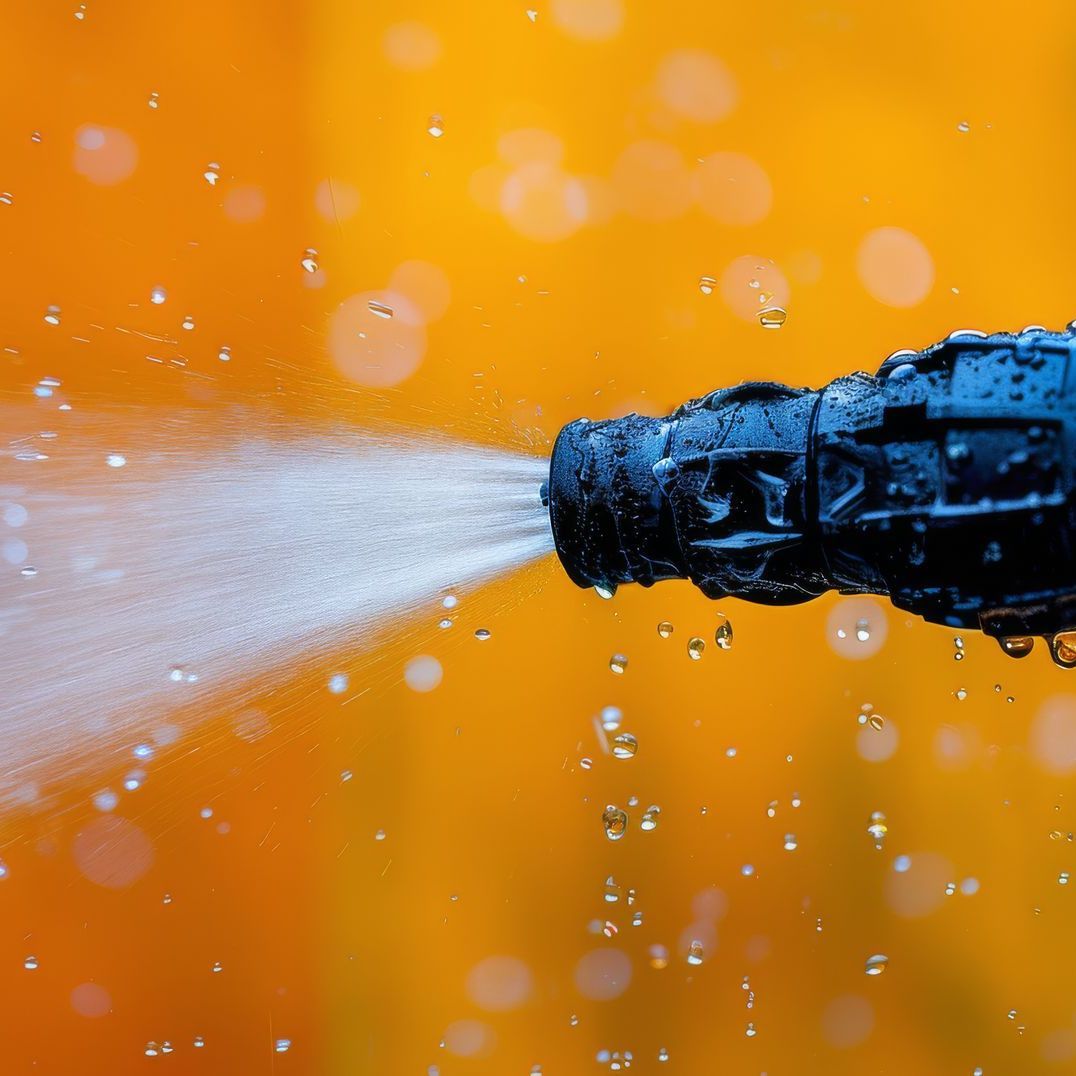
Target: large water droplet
point(615, 821)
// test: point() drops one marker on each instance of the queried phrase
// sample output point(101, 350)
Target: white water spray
point(137, 584)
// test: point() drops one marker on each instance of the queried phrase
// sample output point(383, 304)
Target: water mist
point(138, 582)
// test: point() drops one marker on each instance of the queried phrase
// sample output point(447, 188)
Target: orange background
point(352, 948)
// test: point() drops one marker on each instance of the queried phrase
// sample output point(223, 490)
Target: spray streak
point(130, 588)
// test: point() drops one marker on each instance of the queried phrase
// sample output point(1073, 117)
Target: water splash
point(191, 569)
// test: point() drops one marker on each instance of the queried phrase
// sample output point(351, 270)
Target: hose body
point(945, 481)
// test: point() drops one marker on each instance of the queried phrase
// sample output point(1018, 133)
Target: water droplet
point(157, 295)
point(663, 1054)
point(611, 891)
point(695, 953)
point(750, 1032)
point(650, 818)
point(961, 694)
point(963, 126)
point(618, 663)
point(30, 963)
point(436, 126)
point(218, 967)
point(338, 683)
point(723, 634)
point(188, 323)
point(877, 828)
point(346, 775)
point(615, 821)
point(532, 14)
point(791, 844)
point(771, 810)
point(35, 136)
point(282, 1046)
point(876, 964)
point(1063, 878)
point(609, 929)
point(695, 647)
point(212, 173)
point(28, 572)
point(604, 592)
point(198, 1042)
point(444, 624)
point(624, 745)
point(225, 353)
point(106, 801)
point(152, 1049)
point(707, 284)
point(611, 717)
point(747, 870)
point(6, 198)
point(863, 630)
point(573, 1020)
point(585, 763)
point(52, 315)
point(450, 601)
point(876, 722)
point(482, 634)
point(665, 629)
point(114, 459)
point(80, 14)
point(154, 99)
point(772, 317)
point(659, 957)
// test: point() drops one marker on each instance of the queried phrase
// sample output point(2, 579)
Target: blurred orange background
point(571, 198)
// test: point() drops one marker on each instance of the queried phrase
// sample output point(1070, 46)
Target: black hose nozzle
point(945, 481)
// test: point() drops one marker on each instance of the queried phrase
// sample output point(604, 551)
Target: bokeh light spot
point(733, 189)
point(426, 285)
point(857, 628)
point(1053, 734)
point(104, 155)
point(651, 181)
point(895, 267)
point(697, 85)
point(588, 20)
point(750, 283)
point(919, 889)
point(542, 202)
point(113, 852)
point(847, 1021)
point(530, 144)
point(371, 348)
point(336, 201)
point(423, 673)
point(244, 204)
point(411, 46)
point(91, 1000)
point(603, 974)
point(499, 983)
point(469, 1038)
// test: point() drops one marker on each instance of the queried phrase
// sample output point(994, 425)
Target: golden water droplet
point(695, 953)
point(1063, 649)
point(723, 634)
point(876, 964)
point(877, 828)
point(624, 745)
point(695, 647)
point(618, 663)
point(482, 634)
point(707, 284)
point(876, 722)
point(1017, 646)
point(772, 317)
point(665, 629)
point(382, 310)
point(615, 821)
point(650, 818)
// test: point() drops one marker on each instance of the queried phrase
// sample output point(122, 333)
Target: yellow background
point(354, 948)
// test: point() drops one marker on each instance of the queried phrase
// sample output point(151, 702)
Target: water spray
point(944, 481)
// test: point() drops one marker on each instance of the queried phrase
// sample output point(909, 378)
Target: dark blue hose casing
point(946, 481)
